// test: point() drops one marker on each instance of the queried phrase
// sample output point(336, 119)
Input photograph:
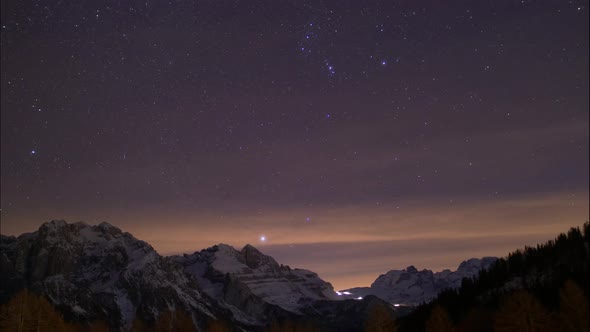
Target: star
point(262, 238)
point(33, 151)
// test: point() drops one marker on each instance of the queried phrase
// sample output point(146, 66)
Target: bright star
point(33, 151)
point(262, 238)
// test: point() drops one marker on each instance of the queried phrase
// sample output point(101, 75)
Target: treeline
point(27, 311)
point(542, 288)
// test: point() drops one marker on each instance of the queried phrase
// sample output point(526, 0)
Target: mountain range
point(410, 287)
point(100, 273)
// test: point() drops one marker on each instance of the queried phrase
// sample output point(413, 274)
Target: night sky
point(346, 137)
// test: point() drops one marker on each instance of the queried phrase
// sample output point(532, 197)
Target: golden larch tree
point(574, 312)
point(380, 319)
point(522, 312)
point(439, 321)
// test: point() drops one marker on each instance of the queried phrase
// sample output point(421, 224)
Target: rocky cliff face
point(254, 286)
point(99, 272)
point(411, 286)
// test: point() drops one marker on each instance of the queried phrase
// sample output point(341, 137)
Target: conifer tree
point(380, 320)
point(573, 308)
point(29, 312)
point(522, 312)
point(439, 321)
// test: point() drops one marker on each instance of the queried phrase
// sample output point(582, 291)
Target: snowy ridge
point(240, 278)
point(412, 287)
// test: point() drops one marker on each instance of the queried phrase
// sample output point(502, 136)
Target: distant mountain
point(411, 287)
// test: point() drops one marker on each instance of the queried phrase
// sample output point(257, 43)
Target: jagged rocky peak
point(99, 272)
point(254, 258)
point(222, 247)
point(62, 232)
point(411, 286)
point(226, 259)
point(58, 229)
point(476, 264)
point(106, 227)
point(253, 284)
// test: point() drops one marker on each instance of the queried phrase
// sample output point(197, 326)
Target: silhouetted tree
point(478, 319)
point(29, 312)
point(573, 308)
point(439, 321)
point(380, 319)
point(522, 312)
point(97, 326)
point(292, 326)
point(173, 321)
point(217, 326)
point(138, 325)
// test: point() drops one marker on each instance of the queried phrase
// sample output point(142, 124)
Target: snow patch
point(126, 307)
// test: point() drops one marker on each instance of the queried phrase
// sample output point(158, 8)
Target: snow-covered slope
point(252, 283)
point(412, 287)
point(99, 272)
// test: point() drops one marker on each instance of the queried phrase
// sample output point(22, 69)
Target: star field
point(289, 122)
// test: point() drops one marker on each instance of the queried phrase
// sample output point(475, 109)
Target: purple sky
point(357, 137)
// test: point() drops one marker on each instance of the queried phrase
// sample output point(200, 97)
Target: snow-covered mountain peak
point(254, 259)
point(411, 286)
point(252, 280)
point(68, 262)
point(475, 264)
point(53, 224)
point(249, 247)
point(222, 247)
point(105, 226)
